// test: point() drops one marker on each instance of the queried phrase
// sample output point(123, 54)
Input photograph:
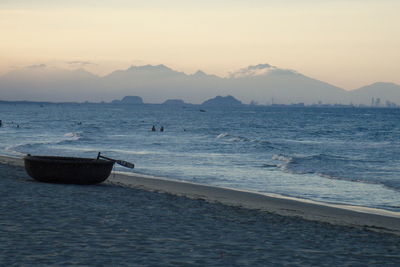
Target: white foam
point(72, 136)
point(282, 158)
point(222, 135)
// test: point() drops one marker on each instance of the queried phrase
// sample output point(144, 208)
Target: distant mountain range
point(261, 83)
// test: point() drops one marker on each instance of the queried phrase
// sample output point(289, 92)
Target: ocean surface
point(334, 155)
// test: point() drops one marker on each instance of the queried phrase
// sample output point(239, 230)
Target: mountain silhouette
point(383, 91)
point(263, 83)
point(267, 83)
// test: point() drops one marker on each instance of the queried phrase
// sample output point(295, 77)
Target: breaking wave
point(40, 146)
point(331, 167)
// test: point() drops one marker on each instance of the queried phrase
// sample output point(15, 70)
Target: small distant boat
point(68, 170)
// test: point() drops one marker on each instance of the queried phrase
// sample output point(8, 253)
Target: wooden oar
point(120, 162)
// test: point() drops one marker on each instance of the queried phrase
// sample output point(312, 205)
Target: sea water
point(334, 155)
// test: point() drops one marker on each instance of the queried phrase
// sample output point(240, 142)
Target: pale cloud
point(80, 63)
point(37, 66)
point(258, 70)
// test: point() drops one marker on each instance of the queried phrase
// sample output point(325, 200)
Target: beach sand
point(367, 218)
point(169, 223)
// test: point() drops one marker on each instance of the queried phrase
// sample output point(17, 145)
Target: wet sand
point(115, 224)
point(373, 219)
point(367, 218)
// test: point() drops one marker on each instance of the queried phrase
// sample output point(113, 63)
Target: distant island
point(218, 101)
point(222, 101)
point(129, 100)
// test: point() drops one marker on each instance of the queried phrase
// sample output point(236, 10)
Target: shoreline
point(353, 216)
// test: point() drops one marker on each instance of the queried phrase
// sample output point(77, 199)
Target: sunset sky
point(346, 43)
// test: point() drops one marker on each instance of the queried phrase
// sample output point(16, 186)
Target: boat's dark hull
point(68, 170)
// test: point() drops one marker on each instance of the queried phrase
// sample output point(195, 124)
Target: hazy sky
point(346, 43)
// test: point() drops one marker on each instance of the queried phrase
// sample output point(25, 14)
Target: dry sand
point(368, 218)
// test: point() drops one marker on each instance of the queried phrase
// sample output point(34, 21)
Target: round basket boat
point(68, 170)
